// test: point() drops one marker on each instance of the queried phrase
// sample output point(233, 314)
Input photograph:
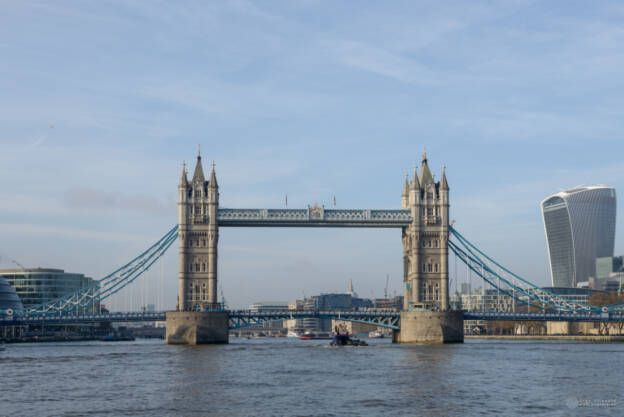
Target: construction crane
point(14, 261)
point(386, 287)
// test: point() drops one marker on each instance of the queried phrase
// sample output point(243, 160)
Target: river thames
point(286, 377)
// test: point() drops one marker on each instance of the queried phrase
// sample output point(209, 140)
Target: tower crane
point(386, 287)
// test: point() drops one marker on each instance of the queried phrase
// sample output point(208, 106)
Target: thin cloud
point(90, 199)
point(38, 142)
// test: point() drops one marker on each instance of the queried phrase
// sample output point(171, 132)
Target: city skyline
point(96, 128)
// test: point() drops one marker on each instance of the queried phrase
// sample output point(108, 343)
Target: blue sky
point(100, 102)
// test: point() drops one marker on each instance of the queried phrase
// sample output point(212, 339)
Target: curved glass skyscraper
point(580, 227)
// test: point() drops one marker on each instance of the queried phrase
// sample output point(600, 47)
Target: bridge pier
point(430, 327)
point(197, 327)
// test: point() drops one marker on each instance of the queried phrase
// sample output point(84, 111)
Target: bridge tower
point(199, 317)
point(426, 316)
point(425, 241)
point(198, 233)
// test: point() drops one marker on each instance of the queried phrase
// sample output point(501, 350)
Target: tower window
point(197, 267)
point(435, 267)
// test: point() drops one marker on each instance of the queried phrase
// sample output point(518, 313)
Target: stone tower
point(198, 232)
point(425, 241)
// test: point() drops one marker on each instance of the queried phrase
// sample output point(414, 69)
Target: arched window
point(429, 269)
point(435, 268)
point(424, 267)
point(429, 243)
point(437, 243)
point(197, 267)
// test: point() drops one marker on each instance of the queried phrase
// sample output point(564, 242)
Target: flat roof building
point(580, 227)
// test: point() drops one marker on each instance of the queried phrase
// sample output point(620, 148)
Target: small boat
point(315, 336)
point(345, 340)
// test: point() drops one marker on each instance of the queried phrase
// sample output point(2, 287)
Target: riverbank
point(582, 338)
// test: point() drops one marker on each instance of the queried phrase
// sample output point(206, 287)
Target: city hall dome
point(8, 298)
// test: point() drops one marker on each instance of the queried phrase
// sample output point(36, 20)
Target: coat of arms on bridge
point(316, 212)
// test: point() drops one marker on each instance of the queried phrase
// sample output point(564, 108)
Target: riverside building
point(41, 285)
point(580, 227)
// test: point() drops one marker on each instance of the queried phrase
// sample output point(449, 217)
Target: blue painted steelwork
point(545, 316)
point(388, 319)
point(239, 319)
point(510, 284)
point(77, 319)
point(313, 217)
point(109, 285)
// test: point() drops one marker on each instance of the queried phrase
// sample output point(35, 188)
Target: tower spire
point(415, 182)
point(183, 180)
point(406, 185)
point(198, 176)
point(212, 182)
point(443, 182)
point(425, 172)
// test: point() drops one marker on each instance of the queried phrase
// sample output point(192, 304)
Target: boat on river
point(315, 336)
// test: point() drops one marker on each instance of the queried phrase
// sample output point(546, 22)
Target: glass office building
point(580, 227)
point(9, 301)
point(41, 285)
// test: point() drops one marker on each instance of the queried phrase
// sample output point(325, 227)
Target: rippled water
point(285, 377)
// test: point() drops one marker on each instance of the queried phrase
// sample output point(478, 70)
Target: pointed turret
point(183, 179)
point(198, 176)
point(425, 174)
point(405, 187)
point(415, 183)
point(443, 183)
point(212, 182)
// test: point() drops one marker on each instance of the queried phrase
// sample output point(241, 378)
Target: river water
point(286, 377)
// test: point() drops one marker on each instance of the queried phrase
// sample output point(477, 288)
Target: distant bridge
point(243, 318)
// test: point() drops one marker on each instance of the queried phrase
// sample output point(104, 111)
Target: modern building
point(268, 306)
point(609, 273)
point(9, 300)
point(482, 300)
point(40, 285)
point(580, 227)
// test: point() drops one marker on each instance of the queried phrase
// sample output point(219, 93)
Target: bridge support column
point(197, 327)
point(430, 327)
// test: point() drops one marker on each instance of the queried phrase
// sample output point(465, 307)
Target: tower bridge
point(423, 220)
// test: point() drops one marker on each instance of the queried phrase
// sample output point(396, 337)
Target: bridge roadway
point(243, 318)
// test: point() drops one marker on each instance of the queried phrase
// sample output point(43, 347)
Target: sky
point(102, 101)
